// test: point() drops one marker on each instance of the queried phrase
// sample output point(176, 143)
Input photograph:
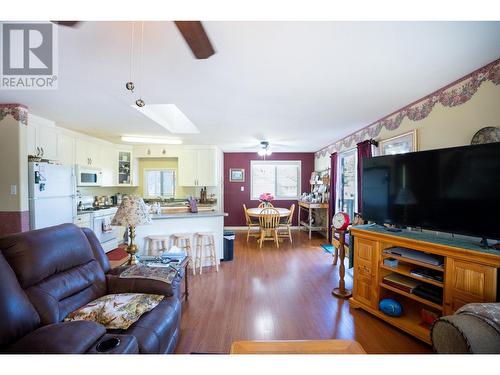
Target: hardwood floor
point(285, 293)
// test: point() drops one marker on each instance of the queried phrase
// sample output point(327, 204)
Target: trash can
point(228, 246)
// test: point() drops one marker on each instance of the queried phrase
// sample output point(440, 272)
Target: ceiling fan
point(193, 33)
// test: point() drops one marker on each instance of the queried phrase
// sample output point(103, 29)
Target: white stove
point(99, 220)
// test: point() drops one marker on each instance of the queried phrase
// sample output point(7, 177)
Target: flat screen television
point(454, 190)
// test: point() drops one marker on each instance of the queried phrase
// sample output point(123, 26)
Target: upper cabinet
point(88, 153)
point(155, 151)
point(42, 138)
point(198, 167)
point(108, 157)
point(124, 167)
point(66, 149)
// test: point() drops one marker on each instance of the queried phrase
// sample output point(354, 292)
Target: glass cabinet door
point(124, 167)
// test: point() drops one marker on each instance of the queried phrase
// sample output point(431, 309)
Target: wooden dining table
point(255, 212)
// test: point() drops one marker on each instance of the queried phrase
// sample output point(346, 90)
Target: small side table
point(311, 209)
point(183, 264)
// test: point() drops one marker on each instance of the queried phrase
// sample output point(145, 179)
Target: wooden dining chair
point(265, 205)
point(269, 221)
point(250, 223)
point(285, 227)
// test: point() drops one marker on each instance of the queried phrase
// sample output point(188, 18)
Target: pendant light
point(130, 84)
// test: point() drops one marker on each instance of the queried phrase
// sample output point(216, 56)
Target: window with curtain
point(159, 183)
point(346, 182)
point(280, 178)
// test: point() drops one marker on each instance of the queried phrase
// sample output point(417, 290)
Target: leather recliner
point(45, 274)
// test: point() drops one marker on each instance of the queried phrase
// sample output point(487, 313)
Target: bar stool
point(156, 242)
point(183, 241)
point(210, 245)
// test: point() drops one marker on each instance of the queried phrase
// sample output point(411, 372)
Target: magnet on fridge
point(42, 187)
point(37, 177)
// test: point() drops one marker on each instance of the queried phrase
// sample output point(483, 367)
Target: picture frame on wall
point(236, 175)
point(400, 144)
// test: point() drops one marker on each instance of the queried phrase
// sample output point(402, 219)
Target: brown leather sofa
point(46, 274)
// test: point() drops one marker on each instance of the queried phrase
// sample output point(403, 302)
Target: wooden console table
point(469, 275)
point(312, 216)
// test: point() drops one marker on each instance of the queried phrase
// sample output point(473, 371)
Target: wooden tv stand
point(470, 275)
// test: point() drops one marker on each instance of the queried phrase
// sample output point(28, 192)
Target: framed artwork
point(236, 175)
point(400, 144)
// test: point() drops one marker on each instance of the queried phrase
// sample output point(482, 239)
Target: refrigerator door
point(46, 212)
point(49, 180)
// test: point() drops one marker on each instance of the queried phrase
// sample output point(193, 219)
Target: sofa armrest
point(128, 345)
point(464, 333)
point(138, 285)
point(61, 338)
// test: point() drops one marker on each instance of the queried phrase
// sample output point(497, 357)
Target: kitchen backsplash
point(134, 190)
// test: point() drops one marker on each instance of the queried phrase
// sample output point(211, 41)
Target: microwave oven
point(88, 176)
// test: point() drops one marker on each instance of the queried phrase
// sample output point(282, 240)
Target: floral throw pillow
point(116, 311)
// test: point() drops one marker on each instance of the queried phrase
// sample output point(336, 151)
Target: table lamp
point(132, 212)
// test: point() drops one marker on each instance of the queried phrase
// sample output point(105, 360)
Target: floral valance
point(18, 111)
point(452, 95)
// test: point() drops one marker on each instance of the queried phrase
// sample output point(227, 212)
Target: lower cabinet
point(467, 276)
point(365, 274)
point(468, 282)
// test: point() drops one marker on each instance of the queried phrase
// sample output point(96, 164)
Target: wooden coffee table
point(297, 347)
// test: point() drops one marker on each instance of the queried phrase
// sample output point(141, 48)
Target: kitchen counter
point(184, 222)
point(188, 215)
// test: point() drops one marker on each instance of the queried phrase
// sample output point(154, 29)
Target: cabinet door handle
point(38, 151)
point(149, 151)
point(41, 148)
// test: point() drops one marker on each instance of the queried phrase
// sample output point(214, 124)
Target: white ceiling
point(301, 85)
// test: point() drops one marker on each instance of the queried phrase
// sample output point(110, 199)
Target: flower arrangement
point(266, 197)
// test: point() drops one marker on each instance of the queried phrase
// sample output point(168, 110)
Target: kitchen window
point(280, 178)
point(159, 183)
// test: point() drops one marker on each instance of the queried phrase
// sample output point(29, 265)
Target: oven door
point(89, 176)
point(103, 230)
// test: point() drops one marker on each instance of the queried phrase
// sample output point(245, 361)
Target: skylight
point(169, 116)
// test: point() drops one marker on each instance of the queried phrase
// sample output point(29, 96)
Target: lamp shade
point(132, 211)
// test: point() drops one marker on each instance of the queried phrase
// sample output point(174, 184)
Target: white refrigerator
point(51, 195)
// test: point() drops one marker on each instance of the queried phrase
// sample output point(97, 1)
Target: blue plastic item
point(390, 307)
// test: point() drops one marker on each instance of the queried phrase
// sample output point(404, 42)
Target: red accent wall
point(234, 198)
point(14, 222)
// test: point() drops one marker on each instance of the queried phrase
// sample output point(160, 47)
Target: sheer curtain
point(333, 187)
point(364, 151)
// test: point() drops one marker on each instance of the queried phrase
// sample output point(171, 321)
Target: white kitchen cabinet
point(206, 167)
point(108, 161)
point(127, 167)
point(32, 146)
point(47, 141)
point(155, 151)
point(66, 149)
point(42, 138)
point(187, 171)
point(197, 167)
point(88, 153)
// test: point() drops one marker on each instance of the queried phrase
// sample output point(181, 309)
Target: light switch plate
point(13, 189)
point(242, 188)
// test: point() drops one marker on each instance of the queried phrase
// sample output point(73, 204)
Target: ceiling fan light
point(261, 152)
point(268, 152)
